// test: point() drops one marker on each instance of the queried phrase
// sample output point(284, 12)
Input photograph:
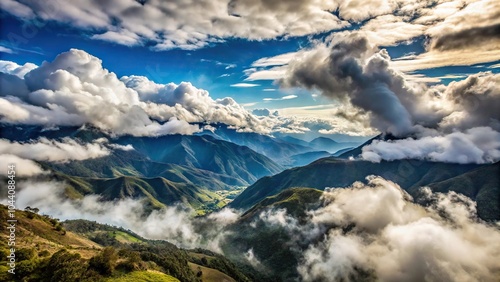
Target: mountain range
point(257, 175)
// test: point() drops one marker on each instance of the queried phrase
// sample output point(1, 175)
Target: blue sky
point(215, 50)
point(214, 68)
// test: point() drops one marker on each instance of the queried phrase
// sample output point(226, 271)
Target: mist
point(376, 231)
point(175, 223)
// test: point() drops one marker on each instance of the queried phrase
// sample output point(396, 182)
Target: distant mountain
point(307, 158)
point(227, 163)
point(340, 152)
point(334, 172)
point(276, 149)
point(132, 163)
point(204, 152)
point(329, 145)
point(295, 141)
point(323, 142)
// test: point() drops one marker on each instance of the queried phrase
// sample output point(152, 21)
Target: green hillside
point(334, 172)
point(205, 152)
point(295, 200)
point(131, 163)
point(156, 192)
point(482, 185)
point(271, 243)
point(80, 250)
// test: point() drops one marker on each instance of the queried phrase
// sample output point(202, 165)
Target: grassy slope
point(143, 276)
point(209, 274)
point(40, 234)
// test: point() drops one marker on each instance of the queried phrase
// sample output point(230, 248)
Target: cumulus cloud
point(264, 112)
point(375, 231)
point(359, 76)
point(75, 89)
point(476, 145)
point(397, 240)
point(175, 223)
point(55, 151)
point(24, 167)
point(185, 25)
point(15, 69)
point(350, 70)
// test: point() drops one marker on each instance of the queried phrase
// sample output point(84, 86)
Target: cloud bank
point(54, 151)
point(440, 120)
point(389, 238)
point(25, 154)
point(187, 25)
point(175, 224)
point(74, 89)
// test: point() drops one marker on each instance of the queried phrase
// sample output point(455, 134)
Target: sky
point(250, 51)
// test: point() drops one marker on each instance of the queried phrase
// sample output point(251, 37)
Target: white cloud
point(287, 97)
point(123, 37)
point(266, 74)
point(168, 25)
point(127, 147)
point(396, 240)
point(15, 69)
point(56, 151)
point(244, 85)
point(23, 167)
point(476, 145)
point(75, 89)
point(175, 223)
point(278, 60)
point(388, 30)
point(4, 49)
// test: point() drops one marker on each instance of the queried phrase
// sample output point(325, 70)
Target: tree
point(105, 261)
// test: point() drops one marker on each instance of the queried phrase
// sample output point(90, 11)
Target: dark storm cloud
point(349, 70)
point(468, 37)
point(439, 122)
